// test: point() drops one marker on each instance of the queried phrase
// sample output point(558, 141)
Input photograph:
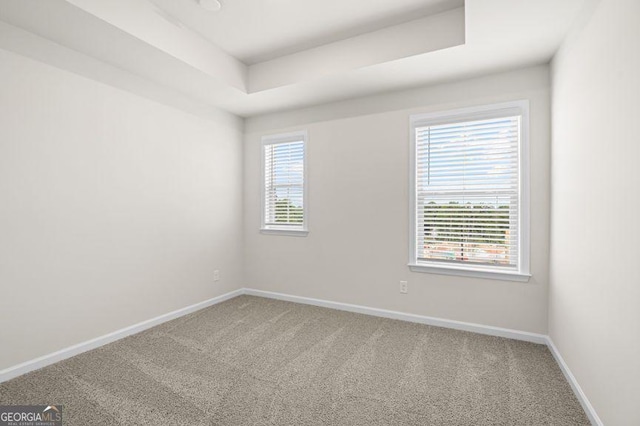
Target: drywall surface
point(357, 249)
point(594, 316)
point(113, 209)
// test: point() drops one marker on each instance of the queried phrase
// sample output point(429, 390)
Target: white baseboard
point(43, 361)
point(439, 322)
point(60, 355)
point(457, 325)
point(577, 390)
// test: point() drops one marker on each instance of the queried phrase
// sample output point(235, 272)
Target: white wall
point(594, 316)
point(113, 209)
point(357, 248)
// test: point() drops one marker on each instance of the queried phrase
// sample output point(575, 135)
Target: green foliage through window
point(287, 212)
point(460, 223)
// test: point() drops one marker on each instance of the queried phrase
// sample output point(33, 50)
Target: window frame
point(520, 107)
point(276, 139)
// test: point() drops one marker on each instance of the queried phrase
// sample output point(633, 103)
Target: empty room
point(338, 212)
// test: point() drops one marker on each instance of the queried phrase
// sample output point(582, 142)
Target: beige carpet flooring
point(255, 361)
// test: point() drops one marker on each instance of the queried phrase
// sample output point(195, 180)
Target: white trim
point(519, 107)
point(462, 271)
point(287, 232)
point(284, 137)
point(460, 115)
point(43, 361)
point(577, 390)
point(52, 358)
point(274, 140)
point(456, 325)
point(525, 191)
point(420, 319)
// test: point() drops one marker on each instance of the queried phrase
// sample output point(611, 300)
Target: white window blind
point(468, 191)
point(284, 182)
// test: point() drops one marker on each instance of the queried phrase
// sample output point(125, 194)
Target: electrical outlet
point(216, 275)
point(404, 287)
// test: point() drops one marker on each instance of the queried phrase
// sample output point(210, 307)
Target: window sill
point(285, 232)
point(469, 272)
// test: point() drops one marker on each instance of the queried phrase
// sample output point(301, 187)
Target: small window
point(470, 192)
point(284, 186)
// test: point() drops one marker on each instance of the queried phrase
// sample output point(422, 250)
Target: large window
point(284, 184)
point(470, 192)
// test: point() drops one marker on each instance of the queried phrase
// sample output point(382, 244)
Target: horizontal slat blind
point(284, 185)
point(467, 187)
